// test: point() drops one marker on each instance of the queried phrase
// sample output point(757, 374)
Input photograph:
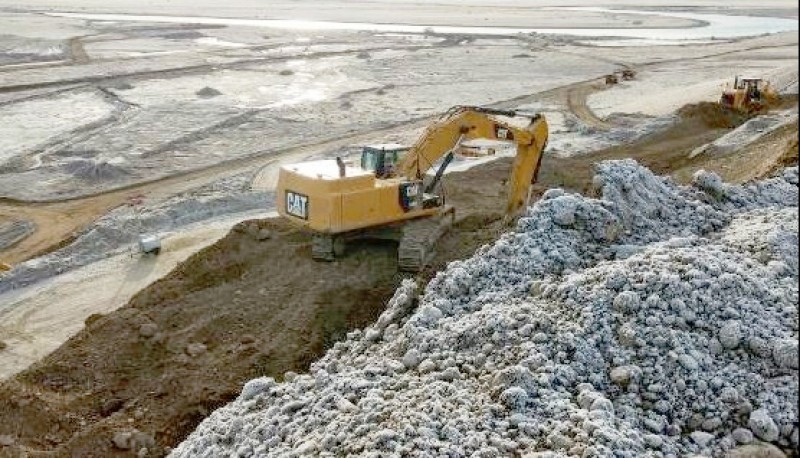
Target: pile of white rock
point(659, 320)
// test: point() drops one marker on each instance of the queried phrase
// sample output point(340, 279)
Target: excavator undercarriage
point(416, 240)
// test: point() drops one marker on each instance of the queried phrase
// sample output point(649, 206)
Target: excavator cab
point(383, 159)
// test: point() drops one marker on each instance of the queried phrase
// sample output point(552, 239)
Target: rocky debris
point(763, 426)
point(122, 440)
point(547, 340)
point(263, 234)
point(94, 170)
point(256, 231)
point(621, 375)
point(195, 349)
point(111, 405)
point(701, 438)
point(785, 353)
point(742, 435)
point(730, 334)
point(133, 440)
point(760, 450)
point(3, 345)
point(14, 49)
point(148, 330)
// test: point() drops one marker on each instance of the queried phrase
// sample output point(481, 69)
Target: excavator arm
point(466, 123)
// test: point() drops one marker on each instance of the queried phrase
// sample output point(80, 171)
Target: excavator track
point(418, 243)
point(327, 247)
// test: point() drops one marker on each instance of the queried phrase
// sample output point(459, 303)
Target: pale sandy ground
point(163, 128)
point(34, 321)
point(490, 12)
point(23, 127)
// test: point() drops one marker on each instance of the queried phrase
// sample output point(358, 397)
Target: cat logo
point(297, 204)
point(501, 133)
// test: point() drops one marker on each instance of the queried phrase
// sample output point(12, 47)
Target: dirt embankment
point(183, 346)
point(667, 152)
point(257, 307)
point(253, 305)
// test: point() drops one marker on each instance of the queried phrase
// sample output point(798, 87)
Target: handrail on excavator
point(487, 110)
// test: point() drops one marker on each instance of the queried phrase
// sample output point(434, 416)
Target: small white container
point(149, 244)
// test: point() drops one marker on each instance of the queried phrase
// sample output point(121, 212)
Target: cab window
point(369, 159)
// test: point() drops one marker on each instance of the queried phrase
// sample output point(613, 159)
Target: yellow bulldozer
point(391, 195)
point(748, 95)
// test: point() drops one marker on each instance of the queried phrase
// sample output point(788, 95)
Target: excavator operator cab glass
point(382, 159)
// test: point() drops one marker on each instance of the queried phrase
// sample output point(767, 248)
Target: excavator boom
point(467, 123)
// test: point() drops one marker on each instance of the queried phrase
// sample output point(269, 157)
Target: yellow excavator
point(390, 194)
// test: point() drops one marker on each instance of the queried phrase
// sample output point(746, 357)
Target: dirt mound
point(93, 170)
point(713, 115)
point(716, 116)
point(252, 307)
point(789, 156)
point(208, 92)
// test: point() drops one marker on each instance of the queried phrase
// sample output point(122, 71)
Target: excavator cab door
point(382, 161)
point(371, 159)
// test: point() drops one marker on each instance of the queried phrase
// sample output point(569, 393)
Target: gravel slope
point(658, 320)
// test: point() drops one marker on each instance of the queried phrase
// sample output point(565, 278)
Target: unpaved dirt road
point(263, 307)
point(576, 101)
